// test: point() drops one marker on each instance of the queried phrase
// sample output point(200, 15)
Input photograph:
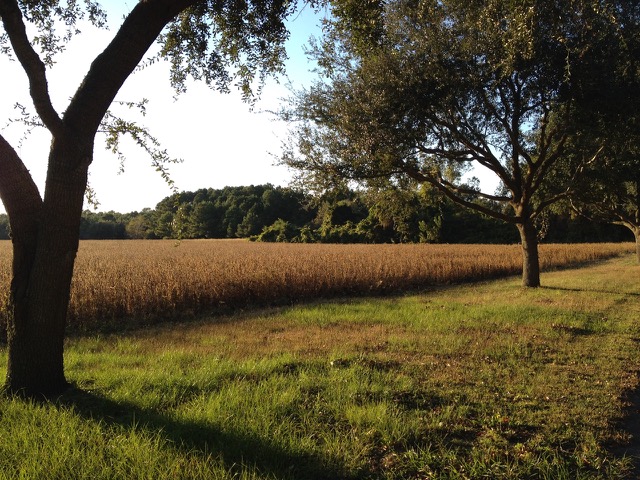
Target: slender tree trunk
point(40, 289)
point(530, 258)
point(636, 233)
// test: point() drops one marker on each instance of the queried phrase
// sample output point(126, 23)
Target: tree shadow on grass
point(591, 290)
point(630, 424)
point(237, 449)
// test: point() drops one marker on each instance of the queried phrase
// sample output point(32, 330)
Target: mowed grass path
point(485, 380)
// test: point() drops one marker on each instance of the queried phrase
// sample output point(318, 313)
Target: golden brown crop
point(118, 283)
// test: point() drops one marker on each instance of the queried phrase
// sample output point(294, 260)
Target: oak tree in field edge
point(420, 91)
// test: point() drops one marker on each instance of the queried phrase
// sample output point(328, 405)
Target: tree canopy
point(609, 189)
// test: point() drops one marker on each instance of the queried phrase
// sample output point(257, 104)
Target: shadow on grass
point(630, 424)
point(591, 290)
point(237, 449)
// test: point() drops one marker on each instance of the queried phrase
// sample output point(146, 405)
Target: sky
point(219, 139)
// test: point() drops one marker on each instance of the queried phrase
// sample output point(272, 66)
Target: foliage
point(267, 213)
point(279, 231)
point(609, 190)
point(103, 225)
point(5, 229)
point(230, 212)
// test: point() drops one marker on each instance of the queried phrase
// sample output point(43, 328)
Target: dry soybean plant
point(121, 283)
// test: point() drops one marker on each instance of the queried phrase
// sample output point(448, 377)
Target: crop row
point(122, 283)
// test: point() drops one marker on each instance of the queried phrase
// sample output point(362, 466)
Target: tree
point(140, 225)
point(218, 41)
point(609, 190)
point(423, 90)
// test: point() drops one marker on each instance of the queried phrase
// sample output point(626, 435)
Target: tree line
point(283, 214)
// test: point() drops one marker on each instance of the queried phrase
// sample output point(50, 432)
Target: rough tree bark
point(530, 258)
point(42, 270)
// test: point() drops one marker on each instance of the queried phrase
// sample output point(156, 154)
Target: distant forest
point(282, 214)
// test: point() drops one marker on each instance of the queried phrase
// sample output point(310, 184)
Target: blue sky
point(220, 141)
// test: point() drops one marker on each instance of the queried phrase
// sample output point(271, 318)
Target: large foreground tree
point(425, 89)
point(218, 41)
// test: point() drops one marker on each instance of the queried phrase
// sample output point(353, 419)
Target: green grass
point(476, 381)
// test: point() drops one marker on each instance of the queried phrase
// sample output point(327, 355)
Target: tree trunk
point(636, 233)
point(530, 258)
point(41, 286)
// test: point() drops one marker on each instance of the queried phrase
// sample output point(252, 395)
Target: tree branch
point(33, 66)
point(19, 193)
point(469, 191)
point(482, 154)
point(113, 66)
point(436, 182)
point(537, 175)
point(549, 201)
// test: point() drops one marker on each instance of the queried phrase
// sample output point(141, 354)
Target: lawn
point(481, 380)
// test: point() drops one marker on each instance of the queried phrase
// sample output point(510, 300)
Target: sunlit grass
point(484, 380)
